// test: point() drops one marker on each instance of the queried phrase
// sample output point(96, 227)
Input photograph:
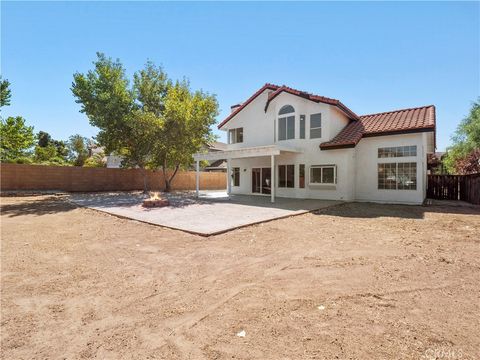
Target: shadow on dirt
point(36, 206)
point(374, 210)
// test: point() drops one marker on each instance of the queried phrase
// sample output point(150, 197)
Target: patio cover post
point(229, 177)
point(197, 178)
point(272, 176)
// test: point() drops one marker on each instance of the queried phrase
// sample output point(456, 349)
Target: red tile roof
point(249, 100)
point(386, 123)
point(277, 90)
point(312, 97)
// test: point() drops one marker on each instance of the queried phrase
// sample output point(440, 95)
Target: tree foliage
point(5, 93)
point(77, 149)
point(187, 119)
point(50, 151)
point(16, 138)
point(153, 123)
point(97, 160)
point(106, 99)
point(466, 141)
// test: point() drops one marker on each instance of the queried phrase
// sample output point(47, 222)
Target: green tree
point(153, 124)
point(95, 161)
point(106, 99)
point(44, 139)
point(49, 150)
point(465, 140)
point(45, 154)
point(187, 118)
point(77, 149)
point(144, 132)
point(5, 92)
point(16, 138)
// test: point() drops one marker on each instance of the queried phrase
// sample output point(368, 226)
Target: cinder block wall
point(72, 178)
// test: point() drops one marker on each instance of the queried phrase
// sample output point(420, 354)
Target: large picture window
point(286, 123)
point(235, 136)
point(286, 176)
point(397, 176)
point(323, 174)
point(397, 151)
point(315, 126)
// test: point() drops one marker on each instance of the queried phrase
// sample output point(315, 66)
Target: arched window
point(286, 123)
point(286, 109)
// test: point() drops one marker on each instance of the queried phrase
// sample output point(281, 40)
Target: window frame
point(406, 166)
point(321, 174)
point(234, 139)
point(302, 124)
point(316, 128)
point(397, 151)
point(235, 176)
point(301, 182)
point(287, 118)
point(283, 184)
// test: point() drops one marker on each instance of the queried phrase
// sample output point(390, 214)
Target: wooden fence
point(454, 187)
point(72, 178)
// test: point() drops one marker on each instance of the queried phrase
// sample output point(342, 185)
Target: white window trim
point(396, 162)
point(234, 131)
point(314, 128)
point(321, 174)
point(286, 116)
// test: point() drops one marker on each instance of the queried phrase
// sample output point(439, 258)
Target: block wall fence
point(72, 178)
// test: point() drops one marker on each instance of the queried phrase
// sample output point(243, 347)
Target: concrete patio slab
point(212, 213)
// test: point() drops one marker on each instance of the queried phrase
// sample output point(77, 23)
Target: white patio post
point(229, 177)
point(272, 172)
point(197, 178)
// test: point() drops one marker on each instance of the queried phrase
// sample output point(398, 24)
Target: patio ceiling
point(256, 151)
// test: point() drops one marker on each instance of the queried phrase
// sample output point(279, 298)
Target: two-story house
point(288, 143)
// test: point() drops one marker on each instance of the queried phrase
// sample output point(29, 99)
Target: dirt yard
point(357, 281)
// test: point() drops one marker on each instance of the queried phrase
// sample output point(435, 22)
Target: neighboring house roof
point(387, 123)
point(218, 164)
point(217, 146)
point(277, 90)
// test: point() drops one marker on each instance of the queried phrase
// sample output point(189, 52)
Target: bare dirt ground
point(357, 281)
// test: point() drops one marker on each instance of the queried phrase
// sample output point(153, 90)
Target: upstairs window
point(235, 136)
point(302, 126)
point(315, 126)
point(286, 123)
point(287, 109)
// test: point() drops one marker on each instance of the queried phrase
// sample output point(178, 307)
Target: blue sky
point(373, 56)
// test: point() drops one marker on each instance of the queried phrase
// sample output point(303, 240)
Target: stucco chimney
point(234, 107)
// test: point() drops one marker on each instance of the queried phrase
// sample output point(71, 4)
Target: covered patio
point(270, 151)
point(206, 213)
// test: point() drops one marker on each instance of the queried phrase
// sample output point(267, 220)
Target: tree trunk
point(168, 181)
point(165, 178)
point(145, 183)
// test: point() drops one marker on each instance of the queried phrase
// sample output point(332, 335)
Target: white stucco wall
point(366, 168)
point(342, 190)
